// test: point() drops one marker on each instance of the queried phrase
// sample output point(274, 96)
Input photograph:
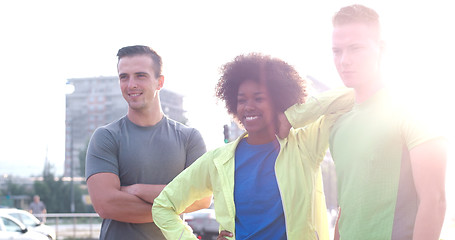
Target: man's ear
point(160, 82)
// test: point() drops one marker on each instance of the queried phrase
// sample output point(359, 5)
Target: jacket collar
point(229, 149)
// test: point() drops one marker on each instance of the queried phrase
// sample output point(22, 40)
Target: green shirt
point(370, 146)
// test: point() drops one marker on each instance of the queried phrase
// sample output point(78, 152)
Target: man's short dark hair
point(135, 50)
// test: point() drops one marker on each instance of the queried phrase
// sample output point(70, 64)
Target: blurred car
point(203, 223)
point(31, 222)
point(13, 229)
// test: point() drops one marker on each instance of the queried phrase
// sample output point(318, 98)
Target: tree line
point(55, 193)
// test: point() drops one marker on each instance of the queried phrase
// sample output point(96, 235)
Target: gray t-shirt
point(147, 155)
point(37, 207)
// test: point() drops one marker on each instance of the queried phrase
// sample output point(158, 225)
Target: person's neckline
point(163, 117)
point(272, 142)
point(379, 94)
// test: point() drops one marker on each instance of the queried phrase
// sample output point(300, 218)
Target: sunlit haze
point(46, 42)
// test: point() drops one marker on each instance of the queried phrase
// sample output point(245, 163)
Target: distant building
point(95, 102)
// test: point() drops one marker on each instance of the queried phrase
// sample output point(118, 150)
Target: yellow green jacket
point(298, 176)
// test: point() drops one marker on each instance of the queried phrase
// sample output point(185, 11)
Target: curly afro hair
point(284, 84)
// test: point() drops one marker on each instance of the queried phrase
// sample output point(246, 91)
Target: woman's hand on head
point(284, 126)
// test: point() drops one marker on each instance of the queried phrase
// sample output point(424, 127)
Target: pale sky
point(44, 43)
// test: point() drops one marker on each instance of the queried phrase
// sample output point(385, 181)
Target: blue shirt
point(259, 210)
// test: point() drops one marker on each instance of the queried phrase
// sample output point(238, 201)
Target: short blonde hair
point(357, 14)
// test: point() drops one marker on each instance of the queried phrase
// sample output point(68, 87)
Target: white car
point(203, 223)
point(13, 229)
point(30, 221)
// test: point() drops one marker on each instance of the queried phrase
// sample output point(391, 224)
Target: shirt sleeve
point(330, 103)
point(195, 147)
point(190, 185)
point(101, 153)
point(415, 130)
point(313, 120)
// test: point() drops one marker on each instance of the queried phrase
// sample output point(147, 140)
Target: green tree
point(56, 194)
point(14, 189)
point(11, 190)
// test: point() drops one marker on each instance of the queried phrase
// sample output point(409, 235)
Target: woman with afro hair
point(263, 187)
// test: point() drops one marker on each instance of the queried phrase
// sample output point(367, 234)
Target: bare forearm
point(199, 204)
point(125, 207)
point(146, 192)
point(428, 162)
point(112, 203)
point(429, 219)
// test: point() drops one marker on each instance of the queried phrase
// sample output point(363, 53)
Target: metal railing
point(74, 225)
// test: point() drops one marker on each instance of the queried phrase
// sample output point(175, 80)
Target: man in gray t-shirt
point(38, 207)
point(131, 160)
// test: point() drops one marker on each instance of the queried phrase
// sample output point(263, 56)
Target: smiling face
point(255, 112)
point(138, 82)
point(357, 54)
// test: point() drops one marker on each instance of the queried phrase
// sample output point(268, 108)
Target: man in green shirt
point(390, 167)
